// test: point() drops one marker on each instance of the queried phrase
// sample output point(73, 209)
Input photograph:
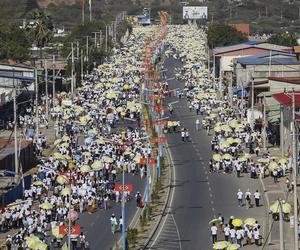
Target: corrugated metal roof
point(25, 78)
point(240, 46)
point(264, 59)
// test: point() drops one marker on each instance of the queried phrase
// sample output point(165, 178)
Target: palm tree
point(40, 28)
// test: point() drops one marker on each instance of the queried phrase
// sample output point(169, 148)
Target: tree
point(40, 28)
point(224, 35)
point(284, 39)
point(14, 44)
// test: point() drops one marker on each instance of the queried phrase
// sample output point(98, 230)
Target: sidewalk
point(274, 191)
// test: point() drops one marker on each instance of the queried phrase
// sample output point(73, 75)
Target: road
point(97, 226)
point(197, 195)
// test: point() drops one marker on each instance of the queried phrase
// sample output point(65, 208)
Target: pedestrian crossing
point(169, 237)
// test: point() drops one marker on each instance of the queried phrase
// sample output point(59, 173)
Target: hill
point(265, 16)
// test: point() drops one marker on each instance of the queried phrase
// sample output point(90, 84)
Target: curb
point(166, 201)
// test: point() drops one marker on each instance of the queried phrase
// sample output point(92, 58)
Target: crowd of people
point(99, 135)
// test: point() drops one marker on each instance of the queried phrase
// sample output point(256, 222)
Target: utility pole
point(95, 38)
point(252, 104)
point(72, 72)
point(90, 7)
point(81, 65)
point(53, 76)
point(15, 126)
point(264, 123)
point(295, 174)
point(280, 225)
point(46, 89)
point(82, 9)
point(230, 11)
point(106, 31)
point(266, 11)
point(87, 48)
point(36, 105)
point(281, 15)
point(100, 38)
point(77, 50)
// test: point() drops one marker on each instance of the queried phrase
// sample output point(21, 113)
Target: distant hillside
point(264, 16)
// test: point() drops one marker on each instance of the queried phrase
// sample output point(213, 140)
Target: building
point(223, 57)
point(263, 66)
point(244, 28)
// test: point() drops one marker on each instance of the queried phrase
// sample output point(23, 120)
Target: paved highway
point(198, 195)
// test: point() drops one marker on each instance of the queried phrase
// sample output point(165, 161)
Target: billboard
point(194, 12)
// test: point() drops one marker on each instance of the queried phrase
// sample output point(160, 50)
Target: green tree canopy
point(40, 27)
point(284, 39)
point(14, 43)
point(223, 35)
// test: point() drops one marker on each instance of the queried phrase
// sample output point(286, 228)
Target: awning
point(287, 98)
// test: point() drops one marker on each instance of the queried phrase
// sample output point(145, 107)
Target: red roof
point(242, 27)
point(292, 80)
point(287, 98)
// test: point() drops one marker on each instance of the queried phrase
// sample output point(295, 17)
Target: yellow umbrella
point(120, 109)
point(226, 128)
point(100, 141)
point(237, 140)
point(217, 129)
point(273, 165)
point(286, 207)
point(46, 205)
point(55, 232)
point(126, 86)
point(227, 157)
point(65, 138)
point(65, 192)
point(56, 142)
point(282, 161)
point(64, 145)
point(250, 221)
point(97, 165)
point(263, 160)
point(217, 157)
point(61, 179)
point(137, 158)
point(242, 159)
point(216, 221)
point(40, 246)
point(32, 241)
point(107, 159)
point(213, 115)
point(237, 222)
point(85, 169)
point(37, 183)
point(233, 247)
point(224, 144)
point(87, 153)
point(220, 245)
point(58, 156)
point(230, 140)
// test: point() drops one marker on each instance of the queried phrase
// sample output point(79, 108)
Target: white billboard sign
point(194, 12)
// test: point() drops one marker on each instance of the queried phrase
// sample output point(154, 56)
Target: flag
point(65, 246)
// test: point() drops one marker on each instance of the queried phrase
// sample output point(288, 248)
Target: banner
point(194, 12)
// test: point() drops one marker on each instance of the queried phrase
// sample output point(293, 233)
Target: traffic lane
point(97, 225)
point(191, 204)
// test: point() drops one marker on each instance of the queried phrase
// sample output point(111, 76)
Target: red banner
point(143, 161)
point(154, 140)
point(162, 139)
point(151, 161)
point(120, 188)
point(64, 230)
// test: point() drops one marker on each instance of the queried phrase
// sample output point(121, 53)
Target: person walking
point(214, 232)
point(120, 224)
point(113, 223)
point(82, 241)
point(197, 124)
point(257, 198)
point(226, 232)
point(248, 199)
point(240, 198)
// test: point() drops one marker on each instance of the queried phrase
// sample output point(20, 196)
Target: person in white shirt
point(214, 232)
point(240, 198)
point(232, 236)
point(226, 232)
point(257, 198)
point(197, 124)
